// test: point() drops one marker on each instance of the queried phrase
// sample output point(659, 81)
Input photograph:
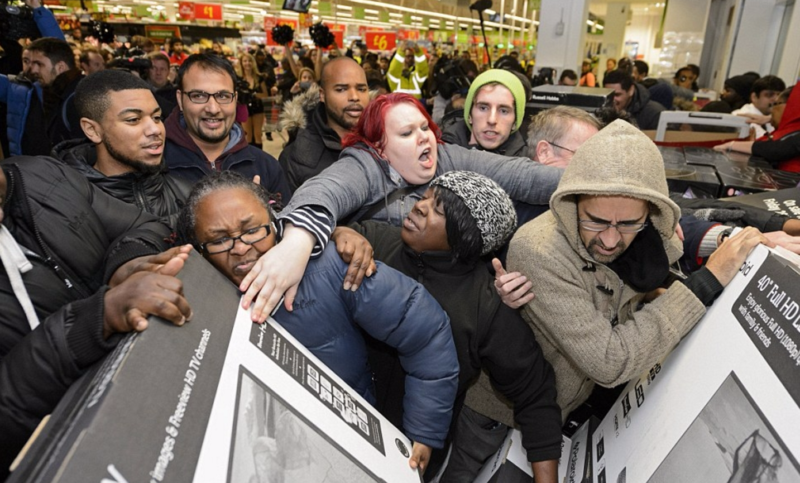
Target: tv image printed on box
point(202, 403)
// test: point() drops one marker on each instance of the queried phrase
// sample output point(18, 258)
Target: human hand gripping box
point(220, 399)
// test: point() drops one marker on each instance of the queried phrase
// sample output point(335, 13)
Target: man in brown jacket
point(599, 261)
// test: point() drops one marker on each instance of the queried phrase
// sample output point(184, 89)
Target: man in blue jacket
point(18, 93)
point(229, 220)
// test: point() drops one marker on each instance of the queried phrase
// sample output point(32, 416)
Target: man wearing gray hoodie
point(607, 306)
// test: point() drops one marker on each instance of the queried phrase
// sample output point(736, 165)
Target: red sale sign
point(207, 11)
point(186, 10)
point(380, 40)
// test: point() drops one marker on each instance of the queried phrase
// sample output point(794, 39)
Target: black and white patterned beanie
point(488, 204)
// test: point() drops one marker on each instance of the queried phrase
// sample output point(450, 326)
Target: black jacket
point(455, 131)
point(488, 335)
point(159, 194)
point(185, 159)
point(61, 114)
point(316, 147)
point(645, 111)
point(75, 236)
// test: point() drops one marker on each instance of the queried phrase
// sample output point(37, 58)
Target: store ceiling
point(441, 14)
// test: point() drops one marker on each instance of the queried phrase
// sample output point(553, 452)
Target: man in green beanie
point(493, 114)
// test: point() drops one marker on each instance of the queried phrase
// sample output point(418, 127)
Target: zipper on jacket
point(138, 194)
point(49, 258)
point(420, 268)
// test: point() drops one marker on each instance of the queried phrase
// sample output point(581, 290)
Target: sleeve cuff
point(125, 252)
point(85, 335)
point(314, 219)
point(775, 223)
point(709, 242)
point(704, 285)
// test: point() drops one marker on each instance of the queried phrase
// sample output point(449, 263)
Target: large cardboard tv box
point(219, 399)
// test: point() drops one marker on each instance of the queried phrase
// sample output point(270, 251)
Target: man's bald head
point(333, 66)
point(344, 92)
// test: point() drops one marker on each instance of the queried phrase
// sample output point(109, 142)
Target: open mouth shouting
point(425, 159)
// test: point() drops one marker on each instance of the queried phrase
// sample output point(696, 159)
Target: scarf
point(644, 265)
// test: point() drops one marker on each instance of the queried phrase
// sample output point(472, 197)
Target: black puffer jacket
point(315, 146)
point(159, 194)
point(75, 236)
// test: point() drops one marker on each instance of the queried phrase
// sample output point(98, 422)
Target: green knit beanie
point(508, 80)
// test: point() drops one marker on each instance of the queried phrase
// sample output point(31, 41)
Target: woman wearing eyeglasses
point(782, 146)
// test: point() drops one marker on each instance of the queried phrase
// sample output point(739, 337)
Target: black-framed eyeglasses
point(561, 147)
point(201, 97)
point(599, 226)
point(248, 237)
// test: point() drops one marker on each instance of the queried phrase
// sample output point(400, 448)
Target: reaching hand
point(277, 272)
point(783, 239)
point(355, 250)
point(728, 258)
point(128, 305)
point(756, 118)
point(513, 288)
point(165, 263)
point(420, 457)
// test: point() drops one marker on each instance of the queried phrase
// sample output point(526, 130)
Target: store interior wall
point(562, 48)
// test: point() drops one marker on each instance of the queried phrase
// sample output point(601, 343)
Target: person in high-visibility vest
point(408, 70)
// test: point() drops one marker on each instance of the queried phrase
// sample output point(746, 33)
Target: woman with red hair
point(388, 160)
point(782, 146)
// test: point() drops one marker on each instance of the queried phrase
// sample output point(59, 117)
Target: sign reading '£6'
point(380, 40)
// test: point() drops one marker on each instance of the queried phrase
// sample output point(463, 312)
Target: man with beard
point(201, 134)
point(322, 117)
point(124, 152)
point(53, 66)
point(606, 307)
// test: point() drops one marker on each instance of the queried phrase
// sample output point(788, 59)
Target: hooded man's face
point(492, 116)
point(625, 213)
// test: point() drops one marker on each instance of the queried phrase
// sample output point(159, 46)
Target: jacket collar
point(64, 83)
point(439, 262)
point(511, 145)
point(319, 119)
point(82, 156)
